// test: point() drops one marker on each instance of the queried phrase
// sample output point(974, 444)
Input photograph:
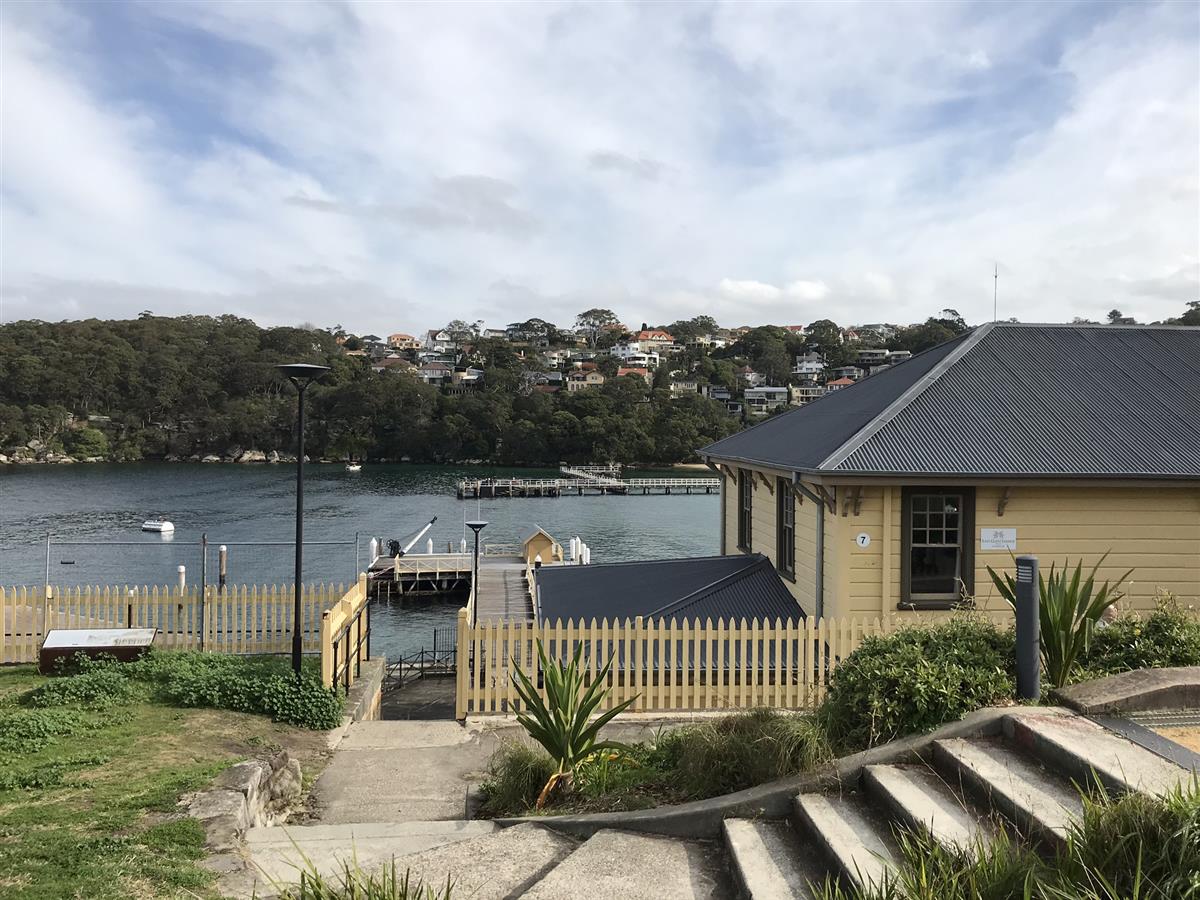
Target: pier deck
point(503, 592)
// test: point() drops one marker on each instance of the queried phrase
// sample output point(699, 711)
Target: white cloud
point(388, 165)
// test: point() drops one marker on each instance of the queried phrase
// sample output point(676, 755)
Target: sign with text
point(998, 538)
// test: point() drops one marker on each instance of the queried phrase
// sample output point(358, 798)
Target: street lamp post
point(476, 525)
point(301, 375)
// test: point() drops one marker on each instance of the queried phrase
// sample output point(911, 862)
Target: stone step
point(1085, 752)
point(855, 841)
point(636, 867)
point(769, 862)
point(1041, 804)
point(279, 853)
point(919, 799)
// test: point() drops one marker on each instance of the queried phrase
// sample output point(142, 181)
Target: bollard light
point(1028, 622)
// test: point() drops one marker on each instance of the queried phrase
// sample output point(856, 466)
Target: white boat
point(162, 526)
point(353, 467)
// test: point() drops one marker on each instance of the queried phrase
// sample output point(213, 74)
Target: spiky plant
point(561, 723)
point(1070, 608)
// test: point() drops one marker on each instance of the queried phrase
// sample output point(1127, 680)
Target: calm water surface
point(100, 504)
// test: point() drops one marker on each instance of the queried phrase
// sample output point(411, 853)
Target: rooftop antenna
point(995, 288)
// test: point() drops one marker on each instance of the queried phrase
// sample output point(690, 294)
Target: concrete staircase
point(1024, 778)
point(960, 793)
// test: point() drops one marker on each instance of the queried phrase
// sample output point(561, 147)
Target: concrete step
point(1086, 752)
point(636, 867)
point(279, 853)
point(769, 862)
point(855, 841)
point(1041, 804)
point(919, 799)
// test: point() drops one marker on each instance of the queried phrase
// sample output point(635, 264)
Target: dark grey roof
point(740, 586)
point(1005, 400)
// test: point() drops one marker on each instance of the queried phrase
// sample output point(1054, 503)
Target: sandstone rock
point(252, 456)
point(211, 458)
point(3, 460)
point(273, 456)
point(35, 445)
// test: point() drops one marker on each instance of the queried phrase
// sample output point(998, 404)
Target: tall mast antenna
point(995, 289)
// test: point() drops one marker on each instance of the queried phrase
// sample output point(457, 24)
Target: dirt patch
point(1187, 736)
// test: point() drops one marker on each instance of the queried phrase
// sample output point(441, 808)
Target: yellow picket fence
point(346, 637)
point(667, 666)
point(242, 619)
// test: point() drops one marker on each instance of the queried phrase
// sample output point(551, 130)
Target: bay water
point(93, 515)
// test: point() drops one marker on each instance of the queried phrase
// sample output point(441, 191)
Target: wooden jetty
point(503, 592)
point(583, 481)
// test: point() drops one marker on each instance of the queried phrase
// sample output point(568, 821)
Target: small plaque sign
point(121, 643)
point(998, 538)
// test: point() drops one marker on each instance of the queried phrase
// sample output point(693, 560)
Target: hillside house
point(809, 365)
point(852, 372)
point(401, 341)
point(747, 377)
point(439, 340)
point(654, 340)
point(683, 388)
point(578, 381)
point(762, 400)
point(435, 372)
point(805, 392)
point(897, 492)
point(640, 372)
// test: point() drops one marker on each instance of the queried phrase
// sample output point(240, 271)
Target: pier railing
point(668, 666)
point(240, 619)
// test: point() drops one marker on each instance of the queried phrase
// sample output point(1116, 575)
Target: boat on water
point(353, 467)
point(161, 526)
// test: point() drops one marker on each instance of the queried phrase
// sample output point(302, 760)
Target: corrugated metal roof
point(1016, 400)
point(802, 438)
point(706, 587)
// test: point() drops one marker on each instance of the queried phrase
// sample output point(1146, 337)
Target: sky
point(389, 167)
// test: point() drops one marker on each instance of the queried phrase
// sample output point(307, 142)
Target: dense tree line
point(154, 386)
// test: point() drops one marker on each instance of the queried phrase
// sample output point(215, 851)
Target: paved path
point(503, 593)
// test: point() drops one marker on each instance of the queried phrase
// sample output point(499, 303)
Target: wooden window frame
point(785, 537)
point(745, 509)
point(966, 544)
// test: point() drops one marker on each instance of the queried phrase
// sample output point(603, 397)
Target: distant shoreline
point(10, 463)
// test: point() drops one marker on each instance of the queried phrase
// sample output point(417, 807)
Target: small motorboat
point(353, 467)
point(161, 526)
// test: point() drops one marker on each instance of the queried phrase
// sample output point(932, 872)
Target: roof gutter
point(819, 562)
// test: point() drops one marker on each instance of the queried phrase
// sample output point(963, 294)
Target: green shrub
point(264, 685)
point(100, 688)
point(1070, 608)
point(517, 772)
point(30, 730)
point(741, 750)
point(50, 774)
point(916, 679)
point(1169, 636)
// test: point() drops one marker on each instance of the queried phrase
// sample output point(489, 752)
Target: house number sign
point(863, 539)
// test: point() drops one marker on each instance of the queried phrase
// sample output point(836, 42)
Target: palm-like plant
point(1070, 608)
point(561, 723)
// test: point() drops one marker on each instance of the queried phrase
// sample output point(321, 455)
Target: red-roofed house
point(654, 339)
point(635, 370)
point(838, 383)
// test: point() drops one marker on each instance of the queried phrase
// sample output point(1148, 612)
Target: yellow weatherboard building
point(896, 493)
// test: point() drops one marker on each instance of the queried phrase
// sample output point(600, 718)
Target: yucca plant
point(561, 723)
point(1070, 608)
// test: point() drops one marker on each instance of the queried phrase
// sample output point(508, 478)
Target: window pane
point(934, 570)
point(952, 503)
point(920, 536)
point(920, 502)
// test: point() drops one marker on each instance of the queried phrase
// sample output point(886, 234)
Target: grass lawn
point(90, 811)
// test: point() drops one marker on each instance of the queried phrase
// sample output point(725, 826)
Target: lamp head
point(302, 374)
point(477, 525)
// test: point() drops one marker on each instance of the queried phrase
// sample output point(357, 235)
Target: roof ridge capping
point(752, 561)
point(834, 459)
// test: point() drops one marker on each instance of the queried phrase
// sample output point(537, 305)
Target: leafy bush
point(265, 685)
point(742, 750)
point(689, 763)
point(30, 730)
point(1169, 636)
point(1069, 610)
point(99, 688)
point(517, 772)
point(562, 724)
point(916, 679)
